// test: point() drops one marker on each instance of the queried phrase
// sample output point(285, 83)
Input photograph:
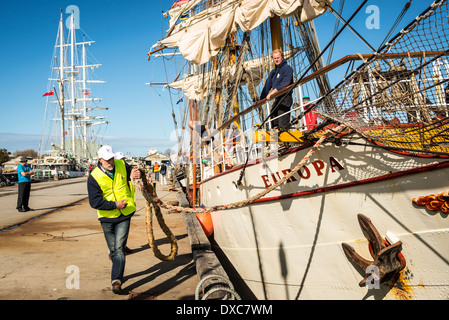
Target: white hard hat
point(106, 152)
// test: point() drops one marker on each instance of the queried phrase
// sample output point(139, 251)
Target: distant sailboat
point(73, 124)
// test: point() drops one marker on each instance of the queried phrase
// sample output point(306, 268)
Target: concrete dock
point(59, 252)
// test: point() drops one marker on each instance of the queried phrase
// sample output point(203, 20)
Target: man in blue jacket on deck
point(280, 77)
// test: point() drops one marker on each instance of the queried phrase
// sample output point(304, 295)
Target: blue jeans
point(116, 235)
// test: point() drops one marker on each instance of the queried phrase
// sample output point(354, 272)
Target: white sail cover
point(200, 37)
point(198, 87)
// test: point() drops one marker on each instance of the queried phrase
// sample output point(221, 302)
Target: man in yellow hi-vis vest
point(112, 194)
point(156, 171)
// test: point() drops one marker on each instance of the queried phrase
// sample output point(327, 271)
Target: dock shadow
point(158, 270)
point(158, 242)
point(56, 207)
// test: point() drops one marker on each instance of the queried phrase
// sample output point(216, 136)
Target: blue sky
point(124, 32)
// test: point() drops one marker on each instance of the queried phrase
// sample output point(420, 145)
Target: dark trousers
point(116, 235)
point(284, 120)
point(282, 109)
point(24, 195)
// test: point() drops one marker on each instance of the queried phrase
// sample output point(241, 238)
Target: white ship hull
point(290, 247)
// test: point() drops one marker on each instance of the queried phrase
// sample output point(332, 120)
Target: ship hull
point(288, 244)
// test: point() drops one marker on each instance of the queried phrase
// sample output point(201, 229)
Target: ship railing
point(223, 153)
point(409, 100)
point(228, 148)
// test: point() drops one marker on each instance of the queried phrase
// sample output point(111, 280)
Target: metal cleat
point(385, 256)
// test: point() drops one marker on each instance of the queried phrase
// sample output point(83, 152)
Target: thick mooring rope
point(329, 132)
point(149, 194)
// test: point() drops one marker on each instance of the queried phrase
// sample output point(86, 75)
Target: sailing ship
point(356, 206)
point(73, 123)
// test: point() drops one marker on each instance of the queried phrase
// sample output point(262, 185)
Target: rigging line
point(386, 46)
point(162, 23)
point(242, 172)
point(416, 151)
point(396, 23)
point(281, 99)
point(337, 23)
point(170, 97)
point(406, 75)
point(41, 143)
point(353, 30)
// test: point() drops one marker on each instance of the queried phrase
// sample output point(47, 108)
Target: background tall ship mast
point(73, 124)
point(357, 206)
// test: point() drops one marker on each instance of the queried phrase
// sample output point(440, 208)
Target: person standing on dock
point(280, 77)
point(112, 194)
point(156, 171)
point(24, 173)
point(163, 173)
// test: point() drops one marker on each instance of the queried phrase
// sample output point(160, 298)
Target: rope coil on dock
point(229, 288)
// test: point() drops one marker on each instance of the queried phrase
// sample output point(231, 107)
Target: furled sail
point(201, 36)
point(198, 86)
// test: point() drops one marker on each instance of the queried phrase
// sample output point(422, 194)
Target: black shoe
point(116, 287)
point(21, 210)
point(29, 209)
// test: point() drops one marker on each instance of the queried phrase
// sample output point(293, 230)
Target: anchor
point(387, 258)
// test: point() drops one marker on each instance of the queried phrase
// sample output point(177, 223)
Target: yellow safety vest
point(115, 190)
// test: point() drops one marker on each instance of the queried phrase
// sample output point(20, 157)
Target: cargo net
point(399, 97)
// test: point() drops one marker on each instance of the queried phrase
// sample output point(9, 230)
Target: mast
point(78, 117)
point(307, 33)
point(276, 33)
point(235, 101)
point(276, 43)
point(61, 80)
point(72, 79)
point(195, 153)
point(84, 124)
